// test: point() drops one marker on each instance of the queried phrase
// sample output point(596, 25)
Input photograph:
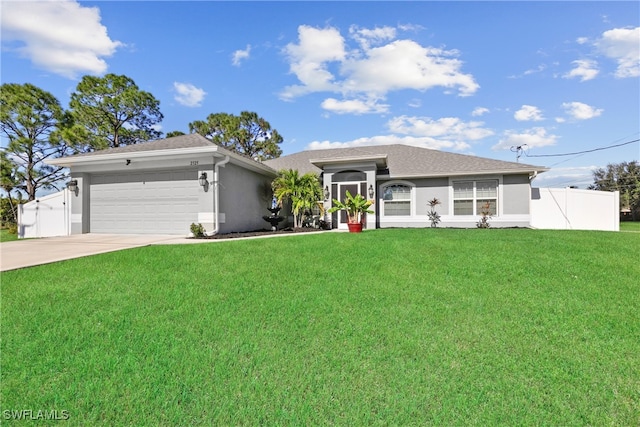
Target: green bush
point(8, 217)
point(197, 230)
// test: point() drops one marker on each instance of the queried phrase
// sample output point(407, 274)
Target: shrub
point(8, 211)
point(434, 216)
point(485, 216)
point(197, 230)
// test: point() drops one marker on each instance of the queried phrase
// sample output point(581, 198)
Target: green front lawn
point(6, 236)
point(390, 327)
point(629, 225)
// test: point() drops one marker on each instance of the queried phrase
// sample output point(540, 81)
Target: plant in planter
point(355, 207)
point(434, 216)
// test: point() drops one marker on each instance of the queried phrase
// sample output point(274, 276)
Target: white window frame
point(412, 199)
point(475, 179)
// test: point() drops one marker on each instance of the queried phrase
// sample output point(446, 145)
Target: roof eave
point(380, 160)
point(116, 157)
point(173, 153)
point(469, 173)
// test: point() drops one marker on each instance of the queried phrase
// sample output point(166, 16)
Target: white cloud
point(580, 111)
point(353, 106)
point(540, 68)
point(479, 111)
point(404, 64)
point(366, 37)
point(623, 46)
point(535, 137)
point(585, 69)
point(240, 55)
point(447, 128)
point(424, 142)
point(188, 95)
point(309, 59)
point(528, 113)
point(59, 36)
point(580, 176)
point(322, 62)
point(443, 133)
point(414, 28)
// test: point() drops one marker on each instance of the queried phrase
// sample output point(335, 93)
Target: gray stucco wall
point(80, 204)
point(427, 189)
point(515, 202)
point(244, 199)
point(159, 192)
point(206, 197)
point(516, 194)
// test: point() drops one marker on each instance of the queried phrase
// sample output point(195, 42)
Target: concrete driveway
point(27, 253)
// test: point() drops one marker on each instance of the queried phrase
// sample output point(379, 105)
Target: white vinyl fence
point(574, 209)
point(46, 216)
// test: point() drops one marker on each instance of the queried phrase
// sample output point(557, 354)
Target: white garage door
point(160, 202)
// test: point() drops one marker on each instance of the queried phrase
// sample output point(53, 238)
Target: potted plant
point(355, 207)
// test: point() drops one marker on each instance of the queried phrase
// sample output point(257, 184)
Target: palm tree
point(302, 191)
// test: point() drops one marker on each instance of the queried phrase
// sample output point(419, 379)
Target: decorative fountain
point(274, 218)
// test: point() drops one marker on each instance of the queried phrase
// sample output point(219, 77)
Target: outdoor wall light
point(371, 191)
point(326, 192)
point(203, 179)
point(73, 185)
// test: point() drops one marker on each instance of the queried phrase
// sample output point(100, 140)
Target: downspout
point(67, 211)
point(531, 178)
point(216, 195)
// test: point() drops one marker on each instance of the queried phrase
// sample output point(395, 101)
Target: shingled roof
point(401, 160)
point(191, 144)
point(404, 161)
point(192, 140)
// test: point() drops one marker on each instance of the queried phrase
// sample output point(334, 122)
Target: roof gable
point(168, 148)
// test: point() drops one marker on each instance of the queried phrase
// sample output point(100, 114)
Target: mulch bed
point(255, 233)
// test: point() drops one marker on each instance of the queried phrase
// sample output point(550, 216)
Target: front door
point(353, 188)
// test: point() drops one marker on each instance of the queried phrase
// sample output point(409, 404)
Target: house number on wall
point(194, 163)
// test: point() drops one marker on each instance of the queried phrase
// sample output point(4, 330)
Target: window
point(396, 200)
point(348, 176)
point(469, 197)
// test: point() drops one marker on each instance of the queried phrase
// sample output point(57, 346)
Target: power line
point(577, 152)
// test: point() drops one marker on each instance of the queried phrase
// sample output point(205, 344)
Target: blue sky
point(467, 77)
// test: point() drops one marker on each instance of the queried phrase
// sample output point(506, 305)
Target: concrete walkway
point(30, 252)
point(27, 253)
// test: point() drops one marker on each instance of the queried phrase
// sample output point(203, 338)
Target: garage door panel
point(163, 202)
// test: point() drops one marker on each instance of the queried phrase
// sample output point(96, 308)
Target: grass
point(6, 236)
point(629, 225)
point(390, 327)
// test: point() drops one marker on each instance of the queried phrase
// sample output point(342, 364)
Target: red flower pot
point(354, 227)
